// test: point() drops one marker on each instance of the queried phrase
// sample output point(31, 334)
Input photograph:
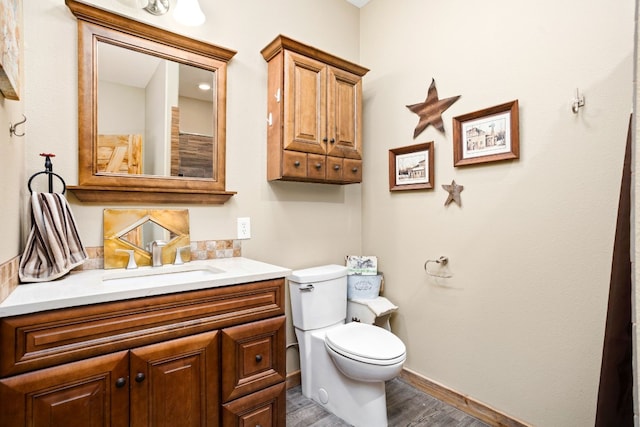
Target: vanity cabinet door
point(253, 357)
point(92, 392)
point(175, 383)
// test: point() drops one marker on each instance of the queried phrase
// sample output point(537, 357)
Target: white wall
point(520, 324)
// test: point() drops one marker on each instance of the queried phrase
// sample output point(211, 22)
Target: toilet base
point(362, 404)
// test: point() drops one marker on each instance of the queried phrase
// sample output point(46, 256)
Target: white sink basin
point(165, 275)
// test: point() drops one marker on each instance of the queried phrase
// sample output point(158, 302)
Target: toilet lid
point(367, 343)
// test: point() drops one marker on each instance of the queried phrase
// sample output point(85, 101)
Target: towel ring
point(442, 260)
point(48, 166)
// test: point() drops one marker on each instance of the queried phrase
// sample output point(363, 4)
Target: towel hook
point(13, 128)
point(442, 260)
point(577, 102)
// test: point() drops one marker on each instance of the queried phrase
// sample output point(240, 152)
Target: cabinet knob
point(354, 170)
point(318, 166)
point(258, 358)
point(140, 377)
point(336, 167)
point(332, 140)
point(325, 139)
point(296, 163)
point(121, 382)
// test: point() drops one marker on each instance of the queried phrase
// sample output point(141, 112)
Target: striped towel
point(54, 246)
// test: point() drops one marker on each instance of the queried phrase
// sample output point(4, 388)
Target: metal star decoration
point(430, 111)
point(454, 193)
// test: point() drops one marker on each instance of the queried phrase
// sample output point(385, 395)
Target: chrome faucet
point(156, 252)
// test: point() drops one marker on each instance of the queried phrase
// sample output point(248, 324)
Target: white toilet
point(343, 365)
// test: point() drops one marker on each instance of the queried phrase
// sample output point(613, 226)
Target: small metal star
point(454, 193)
point(430, 111)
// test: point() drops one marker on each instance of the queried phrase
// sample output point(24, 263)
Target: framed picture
point(411, 168)
point(487, 135)
point(10, 16)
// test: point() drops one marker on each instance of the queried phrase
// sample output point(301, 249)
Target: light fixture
point(204, 86)
point(188, 12)
point(157, 7)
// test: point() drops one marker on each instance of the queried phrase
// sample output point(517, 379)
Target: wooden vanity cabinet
point(314, 107)
point(201, 358)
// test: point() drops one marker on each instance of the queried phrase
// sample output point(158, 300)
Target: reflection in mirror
point(155, 116)
point(147, 232)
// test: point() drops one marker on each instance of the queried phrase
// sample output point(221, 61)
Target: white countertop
point(88, 287)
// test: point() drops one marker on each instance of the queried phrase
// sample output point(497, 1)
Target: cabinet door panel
point(344, 101)
point(265, 408)
point(79, 394)
point(253, 357)
point(305, 103)
point(174, 384)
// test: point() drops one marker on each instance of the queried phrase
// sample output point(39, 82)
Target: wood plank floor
point(406, 407)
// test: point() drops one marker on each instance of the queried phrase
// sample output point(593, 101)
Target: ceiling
point(358, 3)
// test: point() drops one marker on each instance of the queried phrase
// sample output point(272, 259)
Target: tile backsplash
point(8, 277)
point(203, 249)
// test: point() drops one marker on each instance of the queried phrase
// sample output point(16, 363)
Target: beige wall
point(520, 325)
point(13, 183)
point(294, 225)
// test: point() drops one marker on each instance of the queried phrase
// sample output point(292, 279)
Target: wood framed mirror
point(146, 133)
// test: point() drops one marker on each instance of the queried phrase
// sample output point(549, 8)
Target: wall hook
point(12, 128)
point(577, 102)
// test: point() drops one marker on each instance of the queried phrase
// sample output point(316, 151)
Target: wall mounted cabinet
point(314, 112)
point(207, 358)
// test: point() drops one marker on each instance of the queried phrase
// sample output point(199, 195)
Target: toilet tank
point(318, 296)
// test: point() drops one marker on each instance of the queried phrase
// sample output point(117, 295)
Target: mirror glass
point(155, 116)
point(151, 113)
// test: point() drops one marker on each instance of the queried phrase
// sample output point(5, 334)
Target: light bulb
point(188, 12)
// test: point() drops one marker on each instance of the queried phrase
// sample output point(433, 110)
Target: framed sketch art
point(411, 167)
point(10, 16)
point(487, 135)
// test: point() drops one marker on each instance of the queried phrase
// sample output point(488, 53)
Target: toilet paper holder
point(443, 260)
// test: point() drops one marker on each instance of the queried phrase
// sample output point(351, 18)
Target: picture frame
point(10, 22)
point(411, 167)
point(487, 135)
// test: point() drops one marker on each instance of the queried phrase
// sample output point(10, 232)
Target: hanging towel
point(54, 246)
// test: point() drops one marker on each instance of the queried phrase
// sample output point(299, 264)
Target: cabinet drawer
point(316, 166)
point(335, 168)
point(352, 170)
point(253, 357)
point(294, 164)
point(265, 408)
point(35, 341)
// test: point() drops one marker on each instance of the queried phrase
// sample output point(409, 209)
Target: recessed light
point(204, 86)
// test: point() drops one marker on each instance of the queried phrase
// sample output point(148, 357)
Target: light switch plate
point(244, 228)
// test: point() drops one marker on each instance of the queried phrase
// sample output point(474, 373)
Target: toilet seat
point(366, 343)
